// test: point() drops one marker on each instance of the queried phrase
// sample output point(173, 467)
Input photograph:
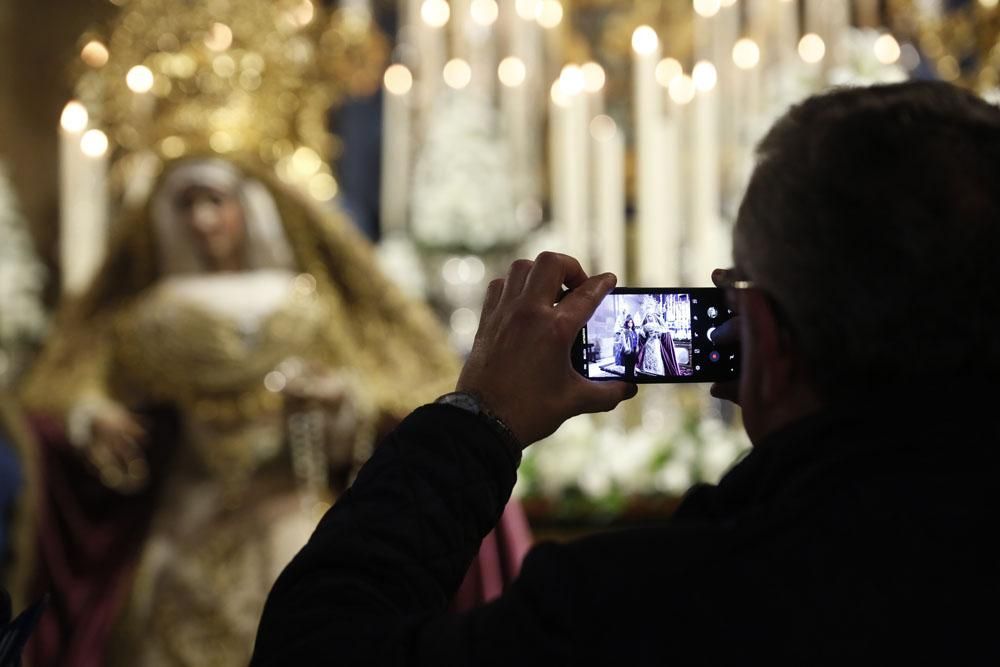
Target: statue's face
point(215, 220)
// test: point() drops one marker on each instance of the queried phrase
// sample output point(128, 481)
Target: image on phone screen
point(657, 335)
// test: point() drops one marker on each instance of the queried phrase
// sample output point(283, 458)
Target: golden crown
point(246, 79)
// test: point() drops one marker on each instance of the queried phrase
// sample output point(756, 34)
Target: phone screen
point(657, 335)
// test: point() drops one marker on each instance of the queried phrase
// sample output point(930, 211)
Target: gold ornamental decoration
point(961, 43)
point(246, 79)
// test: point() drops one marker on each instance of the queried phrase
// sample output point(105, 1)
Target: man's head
point(871, 231)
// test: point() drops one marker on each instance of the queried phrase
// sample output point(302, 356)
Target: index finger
point(550, 272)
point(581, 302)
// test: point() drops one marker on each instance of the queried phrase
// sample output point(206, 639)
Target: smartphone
point(657, 334)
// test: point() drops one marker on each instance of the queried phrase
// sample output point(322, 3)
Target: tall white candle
point(726, 32)
point(658, 239)
point(704, 253)
point(746, 56)
point(83, 197)
point(784, 43)
point(459, 29)
point(482, 42)
point(676, 179)
point(525, 40)
point(569, 174)
point(594, 78)
point(608, 173)
point(396, 150)
point(829, 19)
point(430, 41)
point(515, 112)
point(549, 16)
point(867, 12)
point(654, 254)
point(356, 5)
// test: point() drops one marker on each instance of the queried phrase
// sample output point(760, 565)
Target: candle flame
point(74, 117)
point(397, 79)
point(811, 48)
point(94, 143)
point(593, 77)
point(645, 40)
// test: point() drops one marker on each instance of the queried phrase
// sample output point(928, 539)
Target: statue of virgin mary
point(230, 367)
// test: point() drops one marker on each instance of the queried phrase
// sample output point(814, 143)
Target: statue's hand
point(312, 387)
point(116, 448)
point(316, 383)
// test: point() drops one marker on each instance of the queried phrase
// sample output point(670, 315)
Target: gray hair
point(872, 220)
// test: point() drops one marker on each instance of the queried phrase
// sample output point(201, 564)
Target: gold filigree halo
point(252, 79)
point(961, 43)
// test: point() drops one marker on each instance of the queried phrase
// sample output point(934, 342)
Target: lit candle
point(608, 149)
point(549, 15)
point(83, 198)
point(594, 79)
point(396, 150)
point(655, 256)
point(569, 163)
point(360, 6)
point(785, 40)
point(459, 29)
point(525, 39)
point(829, 19)
point(813, 52)
point(482, 40)
point(746, 57)
point(434, 16)
point(725, 33)
point(867, 12)
point(516, 112)
point(675, 180)
point(707, 249)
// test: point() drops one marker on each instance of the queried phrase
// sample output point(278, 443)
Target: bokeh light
point(139, 79)
point(549, 13)
point(603, 128)
point(435, 13)
point(887, 49)
point(94, 143)
point(95, 54)
point(682, 89)
point(746, 53)
point(645, 40)
point(707, 8)
point(704, 75)
point(527, 9)
point(74, 117)
point(667, 70)
point(484, 12)
point(219, 37)
point(398, 79)
point(511, 72)
point(811, 48)
point(457, 73)
point(593, 77)
point(571, 80)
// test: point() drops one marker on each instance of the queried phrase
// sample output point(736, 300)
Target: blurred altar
point(466, 133)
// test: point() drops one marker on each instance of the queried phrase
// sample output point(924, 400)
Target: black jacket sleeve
point(373, 584)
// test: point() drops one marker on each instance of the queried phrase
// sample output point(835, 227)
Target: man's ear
point(774, 357)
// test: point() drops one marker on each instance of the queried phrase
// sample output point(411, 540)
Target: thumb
point(604, 396)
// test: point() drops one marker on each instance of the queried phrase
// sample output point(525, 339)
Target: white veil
point(266, 245)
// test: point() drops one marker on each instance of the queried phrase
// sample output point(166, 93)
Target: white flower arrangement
point(463, 195)
point(595, 462)
point(22, 279)
point(400, 261)
point(861, 67)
